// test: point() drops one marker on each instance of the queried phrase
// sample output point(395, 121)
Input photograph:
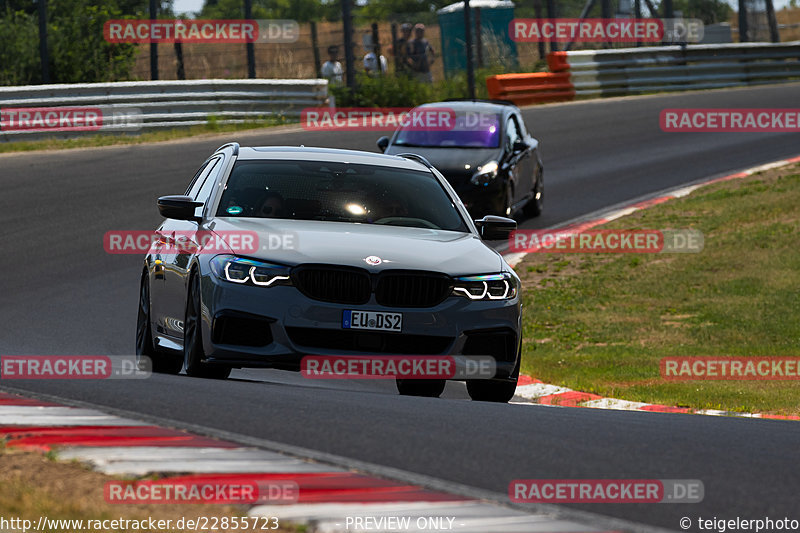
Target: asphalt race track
point(62, 294)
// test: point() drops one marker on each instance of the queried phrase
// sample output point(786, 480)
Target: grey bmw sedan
point(276, 253)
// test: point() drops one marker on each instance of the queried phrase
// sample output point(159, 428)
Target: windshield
point(472, 130)
point(338, 192)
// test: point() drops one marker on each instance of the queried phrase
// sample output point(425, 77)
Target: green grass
point(601, 323)
point(92, 141)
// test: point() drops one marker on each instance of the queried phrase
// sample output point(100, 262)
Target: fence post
point(537, 9)
point(377, 47)
point(468, 39)
point(478, 37)
point(251, 51)
point(179, 59)
point(315, 46)
point(743, 30)
point(153, 46)
point(637, 14)
point(394, 48)
point(44, 57)
point(774, 36)
point(349, 58)
point(551, 14)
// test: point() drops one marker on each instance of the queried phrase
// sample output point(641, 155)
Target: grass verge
point(36, 486)
point(601, 323)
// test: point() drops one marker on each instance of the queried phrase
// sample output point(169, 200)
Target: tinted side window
point(512, 132)
point(210, 181)
point(196, 176)
point(200, 178)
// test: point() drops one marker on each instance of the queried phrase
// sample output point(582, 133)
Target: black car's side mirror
point(178, 207)
point(494, 228)
point(519, 146)
point(383, 143)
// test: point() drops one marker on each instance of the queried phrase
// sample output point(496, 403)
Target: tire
point(498, 391)
point(163, 362)
point(429, 388)
point(193, 353)
point(534, 207)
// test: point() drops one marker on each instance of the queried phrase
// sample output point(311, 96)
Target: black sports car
point(488, 156)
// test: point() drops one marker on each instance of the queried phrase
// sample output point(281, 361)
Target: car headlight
point(485, 174)
point(486, 287)
point(250, 272)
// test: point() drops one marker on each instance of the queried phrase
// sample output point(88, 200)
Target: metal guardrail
point(148, 105)
point(616, 72)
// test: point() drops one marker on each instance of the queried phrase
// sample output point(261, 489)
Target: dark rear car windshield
point(473, 129)
point(339, 192)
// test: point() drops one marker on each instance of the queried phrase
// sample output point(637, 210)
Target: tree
point(299, 10)
point(78, 50)
point(709, 11)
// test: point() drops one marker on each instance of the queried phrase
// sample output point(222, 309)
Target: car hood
point(452, 161)
point(343, 243)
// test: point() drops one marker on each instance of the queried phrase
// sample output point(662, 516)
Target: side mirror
point(519, 146)
point(494, 228)
point(178, 207)
point(383, 143)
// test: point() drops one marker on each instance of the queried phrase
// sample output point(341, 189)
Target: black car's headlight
point(486, 287)
point(250, 272)
point(485, 173)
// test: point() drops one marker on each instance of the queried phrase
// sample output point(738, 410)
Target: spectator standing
point(332, 68)
point(421, 55)
point(402, 52)
point(373, 62)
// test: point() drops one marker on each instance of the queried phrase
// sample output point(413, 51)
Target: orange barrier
point(557, 61)
point(523, 89)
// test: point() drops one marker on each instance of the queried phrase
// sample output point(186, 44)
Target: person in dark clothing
point(403, 62)
point(421, 55)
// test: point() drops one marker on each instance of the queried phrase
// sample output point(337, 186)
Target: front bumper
point(245, 326)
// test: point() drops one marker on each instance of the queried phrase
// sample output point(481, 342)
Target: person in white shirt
point(332, 69)
point(372, 62)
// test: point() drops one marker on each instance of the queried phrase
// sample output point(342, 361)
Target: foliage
point(709, 11)
point(299, 10)
point(77, 49)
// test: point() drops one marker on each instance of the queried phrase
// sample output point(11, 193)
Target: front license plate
point(372, 320)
